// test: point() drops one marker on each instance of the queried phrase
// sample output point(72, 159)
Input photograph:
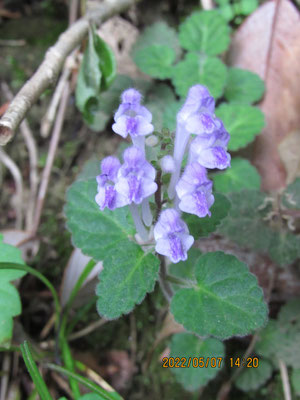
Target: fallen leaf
point(18, 238)
point(289, 153)
point(169, 327)
point(268, 43)
point(73, 270)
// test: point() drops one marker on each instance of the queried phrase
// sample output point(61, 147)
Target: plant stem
point(164, 284)
point(140, 228)
point(41, 277)
point(63, 342)
point(34, 372)
point(285, 380)
point(87, 383)
point(146, 212)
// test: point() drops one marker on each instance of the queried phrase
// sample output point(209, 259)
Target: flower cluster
point(133, 182)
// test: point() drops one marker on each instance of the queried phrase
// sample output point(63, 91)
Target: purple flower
point(210, 150)
point(167, 164)
point(131, 117)
point(172, 236)
point(107, 195)
point(197, 117)
point(134, 126)
point(198, 101)
point(195, 191)
point(135, 177)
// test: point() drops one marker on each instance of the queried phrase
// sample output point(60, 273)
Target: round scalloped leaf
point(155, 60)
point(97, 233)
point(226, 300)
point(284, 247)
point(195, 68)
point(254, 378)
point(157, 100)
point(205, 226)
point(169, 116)
point(186, 269)
point(189, 346)
point(243, 86)
point(159, 33)
point(248, 6)
point(241, 175)
point(281, 339)
point(244, 223)
point(267, 339)
point(127, 276)
point(291, 196)
point(295, 378)
point(107, 236)
point(206, 32)
point(10, 303)
point(243, 122)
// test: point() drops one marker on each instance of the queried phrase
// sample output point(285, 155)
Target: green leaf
point(295, 378)
point(127, 276)
point(247, 226)
point(94, 396)
point(226, 11)
point(281, 339)
point(189, 346)
point(107, 235)
point(169, 116)
point(159, 33)
point(248, 6)
point(10, 303)
point(155, 60)
point(267, 339)
point(199, 227)
point(107, 62)
point(244, 223)
point(254, 378)
point(243, 86)
point(186, 269)
point(226, 300)
point(206, 32)
point(284, 247)
point(157, 100)
point(97, 233)
point(243, 122)
point(106, 103)
point(291, 196)
point(241, 175)
point(34, 372)
point(195, 68)
point(97, 72)
point(102, 393)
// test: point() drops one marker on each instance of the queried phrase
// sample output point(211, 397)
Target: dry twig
point(50, 159)
point(48, 71)
point(14, 170)
point(285, 380)
point(33, 161)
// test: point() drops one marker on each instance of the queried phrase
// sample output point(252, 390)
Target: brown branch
point(48, 71)
point(50, 159)
point(33, 161)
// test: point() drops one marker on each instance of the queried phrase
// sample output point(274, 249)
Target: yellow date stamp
point(209, 362)
point(195, 362)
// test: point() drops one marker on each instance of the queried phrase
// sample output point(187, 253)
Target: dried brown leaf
point(289, 151)
point(268, 43)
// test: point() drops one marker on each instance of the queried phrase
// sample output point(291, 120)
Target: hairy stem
point(140, 228)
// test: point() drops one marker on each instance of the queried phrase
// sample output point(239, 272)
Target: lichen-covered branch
point(48, 71)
